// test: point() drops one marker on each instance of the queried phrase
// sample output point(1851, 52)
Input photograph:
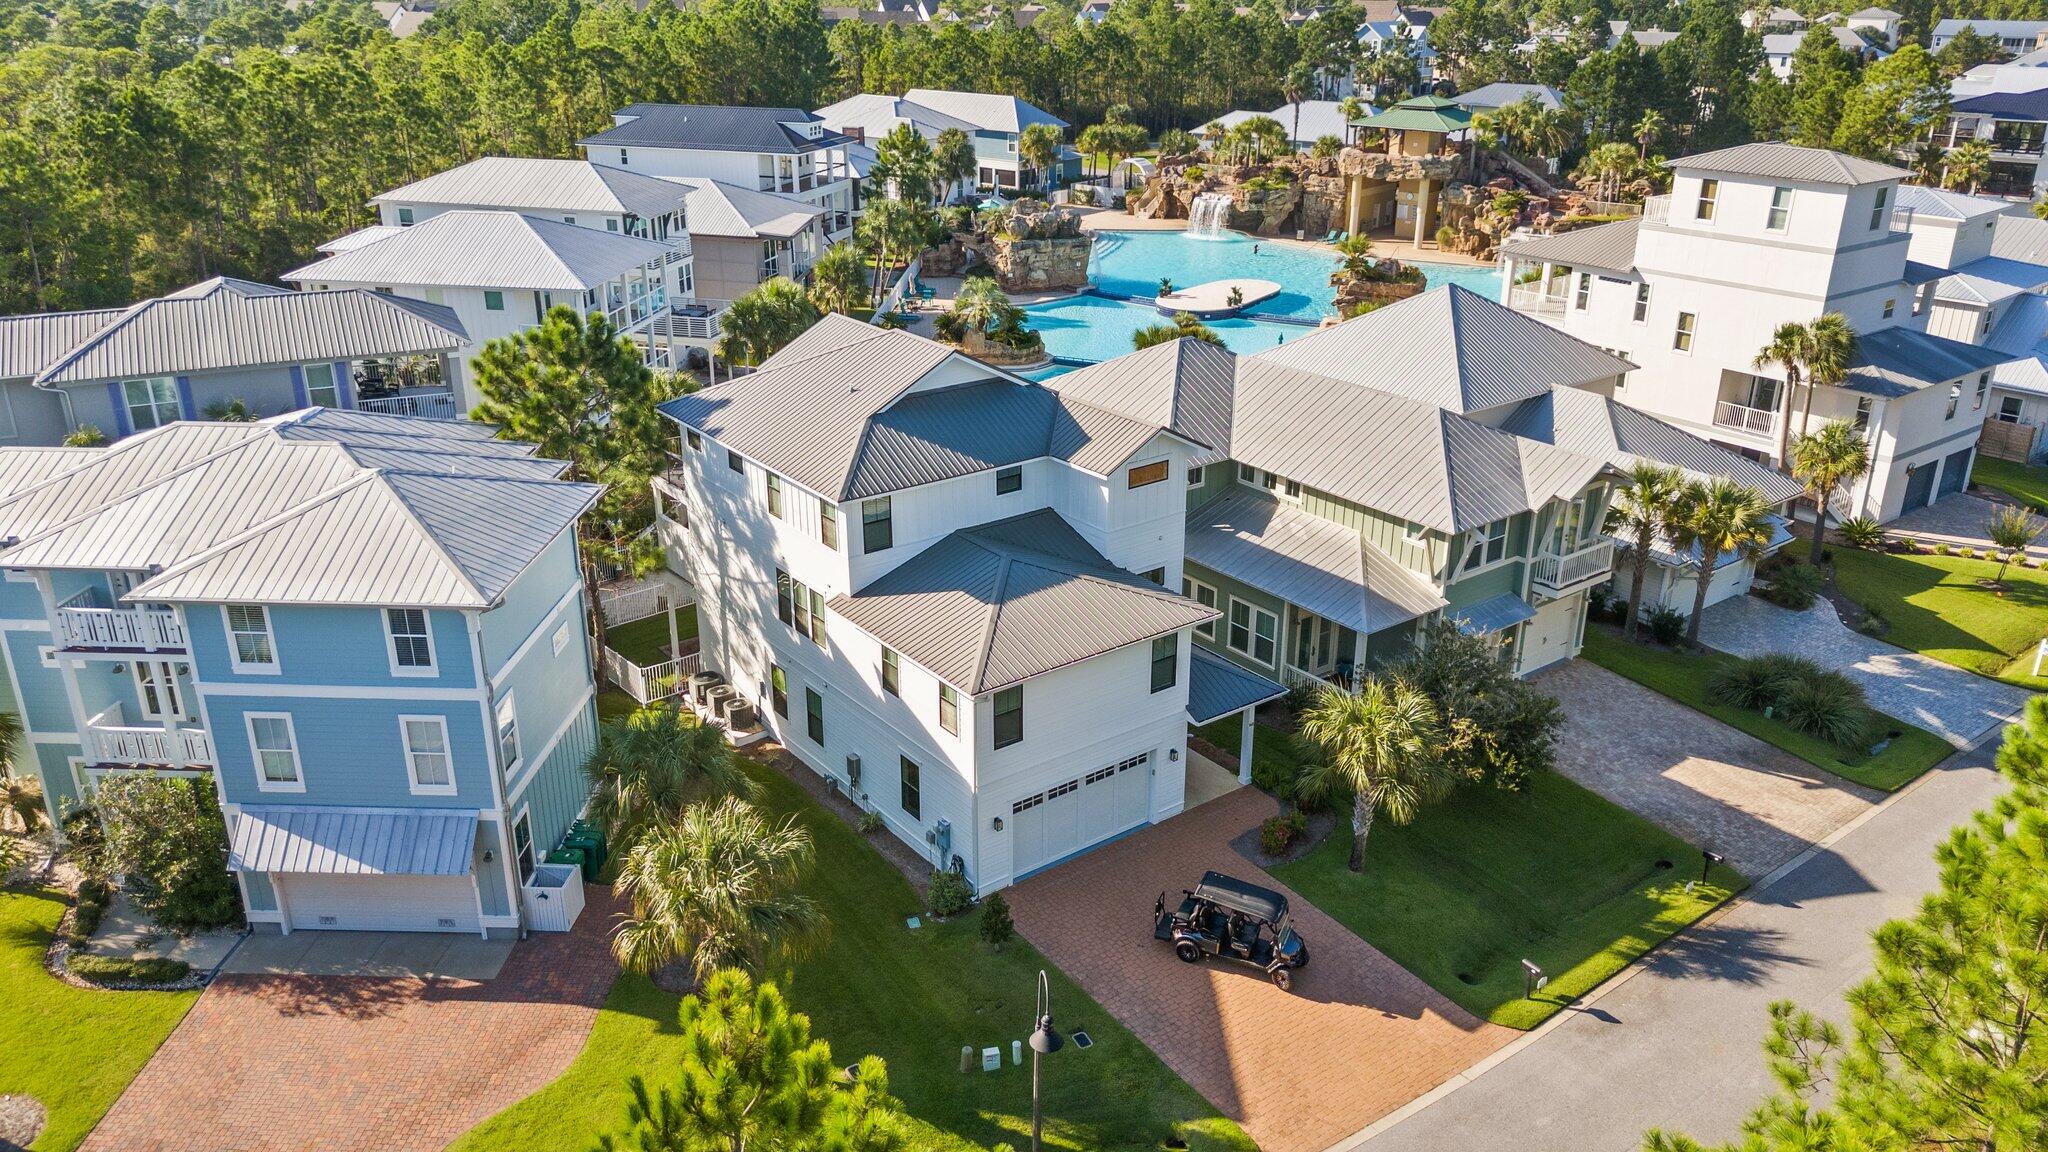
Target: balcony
point(1533, 297)
point(425, 404)
point(109, 739)
point(1657, 209)
point(84, 626)
point(1557, 575)
point(1742, 418)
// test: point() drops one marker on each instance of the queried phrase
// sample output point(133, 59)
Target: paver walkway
point(347, 1063)
point(1714, 786)
point(1955, 705)
point(1358, 1037)
point(1960, 520)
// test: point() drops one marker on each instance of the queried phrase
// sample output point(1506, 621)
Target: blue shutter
point(122, 425)
point(299, 397)
point(185, 407)
point(344, 385)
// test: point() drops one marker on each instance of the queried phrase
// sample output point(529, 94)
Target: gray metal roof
point(1217, 687)
point(989, 111)
point(1489, 616)
point(487, 248)
point(713, 127)
point(1611, 247)
point(1593, 425)
point(1308, 561)
point(222, 323)
point(2021, 238)
point(24, 468)
point(527, 183)
point(29, 343)
point(1790, 162)
point(1991, 279)
point(1898, 361)
point(1942, 204)
point(1997, 28)
point(353, 841)
point(992, 605)
point(875, 115)
point(1185, 385)
point(1452, 348)
point(1502, 93)
point(1667, 553)
point(720, 209)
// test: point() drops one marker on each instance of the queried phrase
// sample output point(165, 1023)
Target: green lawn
point(1683, 677)
point(2022, 482)
point(642, 641)
point(74, 1050)
point(1552, 873)
point(913, 998)
point(1934, 606)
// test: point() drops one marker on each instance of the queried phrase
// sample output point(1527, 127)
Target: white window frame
point(1778, 217)
point(505, 715)
point(1582, 294)
point(1709, 201)
point(235, 661)
point(1482, 538)
point(333, 384)
point(1191, 586)
point(1689, 332)
point(1195, 475)
point(523, 816)
point(1252, 633)
point(1642, 304)
point(433, 665)
point(263, 783)
point(146, 672)
point(412, 777)
point(152, 402)
point(1983, 390)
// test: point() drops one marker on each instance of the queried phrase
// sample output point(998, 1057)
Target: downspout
point(487, 700)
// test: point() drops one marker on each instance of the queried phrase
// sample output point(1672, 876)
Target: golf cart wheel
point(1283, 979)
point(1189, 952)
point(1301, 959)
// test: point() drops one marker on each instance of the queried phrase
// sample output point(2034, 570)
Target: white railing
point(625, 605)
point(892, 301)
point(1294, 677)
point(109, 741)
point(138, 629)
point(1902, 219)
point(418, 405)
point(652, 682)
point(1556, 572)
point(1532, 298)
point(1657, 209)
point(1729, 414)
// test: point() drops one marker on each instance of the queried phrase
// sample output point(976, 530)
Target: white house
point(2015, 36)
point(998, 123)
point(867, 117)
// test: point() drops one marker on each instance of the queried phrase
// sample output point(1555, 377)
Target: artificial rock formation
point(1035, 247)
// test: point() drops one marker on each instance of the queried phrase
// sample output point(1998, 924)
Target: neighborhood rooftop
point(715, 128)
point(716, 208)
point(554, 185)
point(469, 247)
point(987, 111)
point(1773, 161)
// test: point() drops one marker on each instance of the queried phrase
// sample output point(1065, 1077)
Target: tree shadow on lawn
point(1890, 584)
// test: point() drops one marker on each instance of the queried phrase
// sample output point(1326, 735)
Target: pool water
point(1091, 329)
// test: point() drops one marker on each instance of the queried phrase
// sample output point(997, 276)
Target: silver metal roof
point(354, 841)
point(1610, 247)
point(2021, 238)
point(1489, 616)
point(486, 248)
point(1217, 687)
point(24, 468)
point(985, 110)
point(526, 183)
point(1942, 204)
point(1898, 361)
point(716, 208)
point(222, 323)
point(875, 115)
point(990, 606)
point(1593, 425)
point(1991, 279)
point(1308, 561)
point(1790, 162)
point(1451, 348)
point(1184, 385)
point(29, 343)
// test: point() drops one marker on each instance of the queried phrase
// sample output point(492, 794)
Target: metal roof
point(24, 468)
point(1217, 687)
point(1502, 93)
point(716, 208)
point(1452, 348)
point(1185, 385)
point(354, 841)
point(1991, 279)
point(1419, 115)
point(29, 343)
point(990, 606)
point(1308, 561)
point(2023, 333)
point(1594, 425)
point(543, 185)
point(1611, 247)
point(2021, 238)
point(1899, 361)
point(361, 236)
point(875, 115)
point(1996, 28)
point(1489, 616)
point(2030, 106)
point(985, 110)
point(221, 324)
point(1790, 162)
point(1942, 204)
point(471, 248)
point(713, 128)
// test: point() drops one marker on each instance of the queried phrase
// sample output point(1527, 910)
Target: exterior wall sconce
point(997, 823)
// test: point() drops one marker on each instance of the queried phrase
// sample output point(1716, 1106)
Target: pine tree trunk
point(1361, 826)
point(1820, 525)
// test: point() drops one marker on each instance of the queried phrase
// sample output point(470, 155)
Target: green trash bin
point(593, 852)
point(596, 834)
point(567, 855)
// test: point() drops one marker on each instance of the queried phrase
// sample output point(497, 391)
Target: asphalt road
point(1679, 1045)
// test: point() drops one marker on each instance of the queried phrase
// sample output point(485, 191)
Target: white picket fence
point(623, 606)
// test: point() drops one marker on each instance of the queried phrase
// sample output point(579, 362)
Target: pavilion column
point(1244, 745)
point(1354, 204)
point(1507, 280)
point(1421, 209)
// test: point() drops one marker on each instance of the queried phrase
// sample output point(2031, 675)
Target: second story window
point(949, 709)
point(1009, 480)
point(735, 461)
point(695, 438)
point(1009, 716)
point(892, 673)
point(321, 390)
point(1781, 210)
point(1165, 662)
point(412, 646)
point(1584, 293)
point(1144, 474)
point(1489, 545)
point(250, 646)
point(1710, 192)
point(405, 217)
point(508, 735)
point(275, 749)
point(774, 495)
point(1983, 387)
point(494, 300)
point(1204, 595)
point(1884, 196)
point(1642, 302)
point(428, 762)
point(152, 403)
point(1862, 413)
point(1681, 336)
point(877, 524)
point(828, 524)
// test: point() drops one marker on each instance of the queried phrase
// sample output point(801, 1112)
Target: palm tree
point(23, 797)
point(649, 765)
point(1790, 347)
point(1351, 108)
point(1091, 141)
point(717, 888)
point(891, 227)
point(1296, 85)
point(761, 321)
point(1039, 145)
point(1642, 511)
point(1824, 461)
point(1647, 130)
point(982, 307)
point(1382, 745)
point(1969, 163)
point(1185, 326)
point(2012, 529)
point(1721, 518)
point(904, 165)
point(952, 159)
point(1830, 351)
point(839, 280)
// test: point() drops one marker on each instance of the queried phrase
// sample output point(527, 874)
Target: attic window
point(1145, 474)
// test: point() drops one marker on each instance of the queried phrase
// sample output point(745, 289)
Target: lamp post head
point(1046, 1039)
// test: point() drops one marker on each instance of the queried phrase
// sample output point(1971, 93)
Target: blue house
point(367, 631)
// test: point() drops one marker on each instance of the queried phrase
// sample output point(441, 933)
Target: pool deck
point(1384, 243)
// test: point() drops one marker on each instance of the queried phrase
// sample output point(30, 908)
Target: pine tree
point(997, 929)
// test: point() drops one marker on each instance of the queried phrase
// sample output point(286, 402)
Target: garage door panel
point(1548, 638)
point(1079, 813)
point(381, 903)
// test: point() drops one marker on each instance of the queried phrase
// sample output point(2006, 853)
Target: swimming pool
point(1090, 329)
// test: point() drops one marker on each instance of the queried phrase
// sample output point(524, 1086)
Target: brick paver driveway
point(344, 1063)
point(1358, 1037)
point(1714, 786)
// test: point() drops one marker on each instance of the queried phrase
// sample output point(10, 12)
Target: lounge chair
point(1330, 237)
point(1341, 237)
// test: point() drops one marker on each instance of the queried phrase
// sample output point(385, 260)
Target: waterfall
point(1209, 216)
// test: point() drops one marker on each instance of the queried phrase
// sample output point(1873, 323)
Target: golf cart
point(1227, 917)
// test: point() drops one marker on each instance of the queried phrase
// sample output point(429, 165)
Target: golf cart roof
point(1238, 896)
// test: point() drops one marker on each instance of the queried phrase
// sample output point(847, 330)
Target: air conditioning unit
point(853, 773)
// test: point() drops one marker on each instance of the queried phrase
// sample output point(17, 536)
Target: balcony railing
point(1556, 574)
point(81, 627)
point(109, 740)
point(1531, 298)
point(1657, 209)
point(1742, 418)
point(438, 405)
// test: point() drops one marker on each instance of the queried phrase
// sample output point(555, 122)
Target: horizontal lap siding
point(350, 750)
point(332, 647)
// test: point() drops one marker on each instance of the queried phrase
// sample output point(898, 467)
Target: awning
point(1217, 687)
point(1496, 615)
point(1315, 564)
point(354, 841)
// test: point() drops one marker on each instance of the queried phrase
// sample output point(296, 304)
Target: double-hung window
point(817, 616)
point(1165, 661)
point(1983, 388)
point(522, 845)
point(800, 596)
point(1781, 210)
point(151, 403)
point(774, 495)
point(1009, 718)
point(1204, 595)
point(828, 524)
point(1253, 632)
point(1681, 336)
point(814, 716)
point(912, 793)
point(508, 735)
point(275, 748)
point(1710, 193)
point(877, 525)
point(322, 390)
point(429, 764)
point(785, 607)
point(1584, 293)
point(892, 673)
point(949, 709)
point(1009, 480)
point(778, 690)
point(1642, 302)
point(1489, 545)
point(250, 645)
point(412, 646)
point(1884, 195)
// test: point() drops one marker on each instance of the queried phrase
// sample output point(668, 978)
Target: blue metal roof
point(1217, 687)
point(2006, 105)
point(354, 841)
point(1496, 615)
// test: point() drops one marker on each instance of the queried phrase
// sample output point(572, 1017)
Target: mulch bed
point(1320, 825)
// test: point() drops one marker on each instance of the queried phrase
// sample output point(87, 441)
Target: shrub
point(870, 823)
point(1861, 532)
point(950, 894)
point(1750, 684)
point(1967, 553)
point(1830, 706)
point(165, 837)
point(93, 897)
point(1666, 625)
point(1278, 833)
point(1941, 549)
point(1794, 586)
point(997, 929)
point(1082, 195)
point(128, 970)
point(86, 843)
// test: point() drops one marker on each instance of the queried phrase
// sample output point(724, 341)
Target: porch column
point(1354, 205)
point(674, 644)
point(1244, 745)
point(1421, 209)
point(1507, 280)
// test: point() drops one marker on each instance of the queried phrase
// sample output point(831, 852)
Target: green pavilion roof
point(1421, 114)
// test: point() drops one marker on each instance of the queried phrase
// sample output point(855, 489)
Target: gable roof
point(1991, 279)
point(2020, 238)
point(1790, 162)
point(714, 128)
point(546, 185)
point(474, 247)
point(1606, 429)
point(716, 208)
point(874, 114)
point(28, 343)
point(1183, 385)
point(988, 111)
point(222, 323)
point(1451, 348)
point(1942, 204)
point(990, 606)
point(1320, 565)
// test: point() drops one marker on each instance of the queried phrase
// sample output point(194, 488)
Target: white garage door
point(381, 903)
point(1073, 815)
point(1548, 638)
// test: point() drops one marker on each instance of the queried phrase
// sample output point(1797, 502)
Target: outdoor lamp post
point(1045, 1040)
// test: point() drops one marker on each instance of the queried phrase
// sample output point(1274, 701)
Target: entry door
point(1919, 488)
point(1953, 470)
point(156, 681)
